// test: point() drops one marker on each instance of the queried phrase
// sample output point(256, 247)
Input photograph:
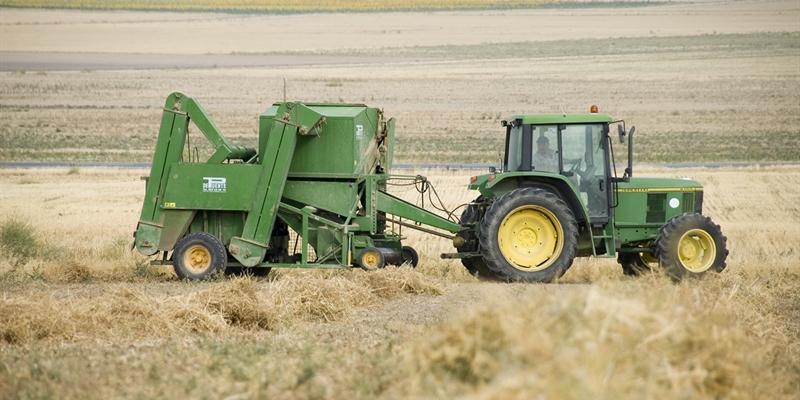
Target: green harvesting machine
point(314, 195)
point(320, 171)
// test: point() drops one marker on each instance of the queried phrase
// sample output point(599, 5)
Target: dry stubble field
point(81, 316)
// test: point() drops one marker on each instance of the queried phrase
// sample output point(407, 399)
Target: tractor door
point(583, 158)
point(576, 151)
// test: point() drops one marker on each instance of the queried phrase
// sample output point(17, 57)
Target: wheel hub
point(526, 237)
point(371, 259)
point(697, 250)
point(530, 238)
point(198, 258)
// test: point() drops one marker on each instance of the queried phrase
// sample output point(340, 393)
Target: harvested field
point(81, 297)
point(81, 316)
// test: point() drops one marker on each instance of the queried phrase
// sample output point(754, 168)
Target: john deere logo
point(214, 185)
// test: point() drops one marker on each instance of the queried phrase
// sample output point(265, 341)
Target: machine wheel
point(529, 234)
point(371, 258)
point(410, 256)
point(199, 255)
point(475, 265)
point(635, 264)
point(691, 245)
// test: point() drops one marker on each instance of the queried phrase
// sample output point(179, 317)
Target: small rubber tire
point(371, 259)
point(475, 265)
point(529, 235)
point(691, 245)
point(198, 256)
point(410, 255)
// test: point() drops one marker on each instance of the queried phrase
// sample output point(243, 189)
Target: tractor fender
point(559, 185)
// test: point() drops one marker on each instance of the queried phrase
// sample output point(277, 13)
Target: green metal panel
point(169, 149)
point(249, 249)
point(176, 222)
point(553, 119)
point(336, 197)
point(265, 121)
point(222, 224)
point(210, 187)
point(645, 204)
point(348, 132)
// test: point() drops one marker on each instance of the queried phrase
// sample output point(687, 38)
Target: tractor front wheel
point(530, 235)
point(199, 255)
point(691, 245)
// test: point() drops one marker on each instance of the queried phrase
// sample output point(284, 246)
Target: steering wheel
point(576, 167)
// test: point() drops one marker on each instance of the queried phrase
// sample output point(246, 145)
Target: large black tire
point(691, 245)
point(475, 265)
point(198, 256)
point(529, 235)
point(635, 264)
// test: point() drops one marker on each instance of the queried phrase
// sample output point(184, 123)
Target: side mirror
point(621, 132)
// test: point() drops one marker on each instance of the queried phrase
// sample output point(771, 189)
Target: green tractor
point(558, 197)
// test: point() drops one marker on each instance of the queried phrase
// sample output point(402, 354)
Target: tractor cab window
point(514, 150)
point(545, 148)
point(532, 148)
point(584, 163)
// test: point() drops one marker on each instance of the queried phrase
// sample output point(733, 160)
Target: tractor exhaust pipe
point(629, 170)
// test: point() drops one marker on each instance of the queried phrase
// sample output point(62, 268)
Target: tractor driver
point(545, 158)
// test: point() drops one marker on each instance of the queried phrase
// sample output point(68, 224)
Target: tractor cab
point(573, 147)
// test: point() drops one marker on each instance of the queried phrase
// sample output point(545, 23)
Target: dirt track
point(100, 40)
point(52, 61)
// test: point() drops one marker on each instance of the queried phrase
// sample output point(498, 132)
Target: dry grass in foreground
point(728, 336)
point(83, 317)
point(725, 337)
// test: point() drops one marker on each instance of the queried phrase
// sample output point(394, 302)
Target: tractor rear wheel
point(529, 234)
point(199, 255)
point(691, 245)
point(475, 265)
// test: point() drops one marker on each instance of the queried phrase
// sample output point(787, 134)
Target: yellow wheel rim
point(697, 250)
point(197, 259)
point(531, 238)
point(370, 260)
